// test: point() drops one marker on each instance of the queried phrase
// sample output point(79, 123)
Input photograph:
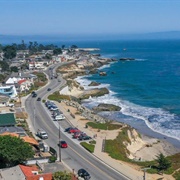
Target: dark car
point(34, 95)
point(49, 89)
point(84, 137)
point(67, 129)
point(84, 174)
point(63, 144)
point(38, 99)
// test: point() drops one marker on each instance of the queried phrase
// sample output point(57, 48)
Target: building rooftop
point(7, 119)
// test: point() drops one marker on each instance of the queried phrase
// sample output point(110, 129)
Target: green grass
point(58, 97)
point(116, 148)
point(176, 175)
point(104, 126)
point(89, 147)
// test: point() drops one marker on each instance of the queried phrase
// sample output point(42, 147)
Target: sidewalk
point(120, 166)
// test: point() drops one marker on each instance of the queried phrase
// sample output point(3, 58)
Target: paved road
point(74, 156)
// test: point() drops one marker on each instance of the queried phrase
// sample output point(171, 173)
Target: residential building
point(7, 119)
point(8, 91)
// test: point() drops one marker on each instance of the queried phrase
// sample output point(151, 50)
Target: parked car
point(38, 99)
point(53, 108)
point(63, 144)
point(84, 137)
point(67, 129)
point(76, 135)
point(59, 117)
point(73, 130)
point(84, 174)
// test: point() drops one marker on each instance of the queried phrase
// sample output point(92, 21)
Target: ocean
point(147, 88)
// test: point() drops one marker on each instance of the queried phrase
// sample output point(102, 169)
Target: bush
point(89, 147)
point(52, 159)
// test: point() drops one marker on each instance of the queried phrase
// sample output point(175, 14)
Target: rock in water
point(107, 107)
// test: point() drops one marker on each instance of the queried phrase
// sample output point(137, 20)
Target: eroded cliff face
point(136, 143)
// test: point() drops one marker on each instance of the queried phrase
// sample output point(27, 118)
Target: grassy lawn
point(104, 126)
point(58, 97)
point(87, 146)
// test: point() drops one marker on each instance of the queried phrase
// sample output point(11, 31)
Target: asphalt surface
point(74, 156)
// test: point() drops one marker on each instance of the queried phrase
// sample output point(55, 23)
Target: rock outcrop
point(93, 83)
point(94, 93)
point(107, 107)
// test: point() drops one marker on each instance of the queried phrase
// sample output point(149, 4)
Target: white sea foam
point(157, 119)
point(85, 83)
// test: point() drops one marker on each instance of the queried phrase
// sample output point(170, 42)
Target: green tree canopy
point(9, 52)
point(4, 66)
point(14, 69)
point(57, 51)
point(60, 175)
point(14, 151)
point(163, 162)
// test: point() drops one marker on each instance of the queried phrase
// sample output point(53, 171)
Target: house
point(7, 120)
point(9, 91)
point(21, 172)
point(4, 100)
point(25, 85)
point(13, 129)
point(14, 78)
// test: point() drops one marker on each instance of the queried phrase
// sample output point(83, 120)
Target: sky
point(58, 17)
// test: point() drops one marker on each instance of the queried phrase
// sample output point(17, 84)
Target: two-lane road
point(74, 156)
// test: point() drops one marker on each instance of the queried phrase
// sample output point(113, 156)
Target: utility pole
point(144, 170)
point(34, 117)
point(59, 143)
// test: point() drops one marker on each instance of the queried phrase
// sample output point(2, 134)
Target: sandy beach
point(138, 148)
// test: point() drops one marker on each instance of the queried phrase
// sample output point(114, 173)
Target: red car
point(74, 130)
point(77, 134)
point(63, 144)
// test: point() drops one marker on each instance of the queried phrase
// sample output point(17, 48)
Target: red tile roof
point(27, 170)
point(30, 140)
point(47, 176)
point(21, 81)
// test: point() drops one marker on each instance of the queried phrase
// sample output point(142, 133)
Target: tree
point(163, 162)
point(13, 151)
point(74, 47)
point(57, 51)
point(4, 66)
point(9, 52)
point(60, 175)
point(14, 69)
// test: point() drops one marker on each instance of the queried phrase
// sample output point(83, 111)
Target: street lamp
point(144, 169)
point(59, 143)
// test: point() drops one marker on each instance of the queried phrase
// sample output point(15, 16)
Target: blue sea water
point(147, 88)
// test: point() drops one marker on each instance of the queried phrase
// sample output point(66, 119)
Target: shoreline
point(144, 129)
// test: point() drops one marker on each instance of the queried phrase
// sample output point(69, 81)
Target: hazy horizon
point(67, 17)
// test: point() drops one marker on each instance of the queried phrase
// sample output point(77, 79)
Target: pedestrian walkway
point(124, 168)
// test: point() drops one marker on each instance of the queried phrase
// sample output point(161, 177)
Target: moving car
point(34, 94)
point(49, 89)
point(84, 174)
point(42, 134)
point(63, 144)
point(38, 99)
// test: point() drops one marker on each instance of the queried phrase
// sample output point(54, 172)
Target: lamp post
point(34, 117)
point(59, 143)
point(144, 169)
